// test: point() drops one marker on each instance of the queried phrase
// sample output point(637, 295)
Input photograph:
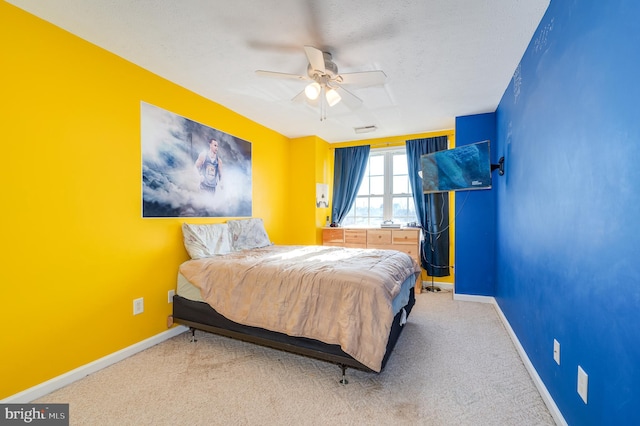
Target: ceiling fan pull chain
point(323, 109)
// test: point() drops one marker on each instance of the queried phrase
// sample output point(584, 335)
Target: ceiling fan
point(326, 83)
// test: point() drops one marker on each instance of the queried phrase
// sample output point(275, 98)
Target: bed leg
point(344, 380)
point(193, 334)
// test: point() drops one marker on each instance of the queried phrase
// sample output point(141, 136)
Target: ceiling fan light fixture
point(333, 97)
point(312, 91)
point(324, 80)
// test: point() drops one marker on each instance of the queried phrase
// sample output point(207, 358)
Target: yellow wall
point(324, 174)
point(302, 175)
point(311, 162)
point(76, 251)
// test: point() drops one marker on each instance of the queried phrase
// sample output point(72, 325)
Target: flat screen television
point(462, 168)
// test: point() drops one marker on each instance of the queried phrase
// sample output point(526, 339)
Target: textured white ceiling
point(442, 58)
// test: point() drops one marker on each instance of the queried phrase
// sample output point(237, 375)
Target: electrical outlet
point(170, 296)
point(583, 384)
point(556, 351)
point(138, 306)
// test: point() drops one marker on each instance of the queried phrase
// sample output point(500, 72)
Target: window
point(385, 193)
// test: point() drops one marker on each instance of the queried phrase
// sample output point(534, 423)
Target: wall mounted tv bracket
point(499, 166)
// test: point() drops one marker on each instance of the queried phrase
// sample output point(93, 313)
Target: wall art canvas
point(192, 170)
point(322, 195)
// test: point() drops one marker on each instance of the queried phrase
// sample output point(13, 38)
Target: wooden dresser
point(403, 239)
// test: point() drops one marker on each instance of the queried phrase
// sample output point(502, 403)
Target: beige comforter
point(332, 294)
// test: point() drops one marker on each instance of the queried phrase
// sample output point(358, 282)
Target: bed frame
point(201, 316)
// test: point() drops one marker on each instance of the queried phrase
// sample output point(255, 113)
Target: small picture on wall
point(322, 195)
point(192, 170)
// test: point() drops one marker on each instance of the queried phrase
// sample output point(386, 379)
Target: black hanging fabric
point(432, 210)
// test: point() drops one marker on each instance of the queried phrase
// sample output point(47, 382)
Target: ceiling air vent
point(365, 129)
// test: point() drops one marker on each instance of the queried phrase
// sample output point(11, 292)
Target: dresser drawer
point(355, 238)
point(405, 236)
point(332, 236)
point(377, 237)
point(413, 251)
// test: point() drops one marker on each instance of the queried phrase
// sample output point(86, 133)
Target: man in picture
point(209, 166)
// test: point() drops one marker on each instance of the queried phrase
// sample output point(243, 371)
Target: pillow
point(206, 240)
point(248, 234)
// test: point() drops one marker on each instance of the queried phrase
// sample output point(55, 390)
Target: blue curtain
point(432, 209)
point(348, 170)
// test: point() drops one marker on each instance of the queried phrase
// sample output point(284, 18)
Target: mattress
point(187, 290)
point(199, 315)
point(294, 290)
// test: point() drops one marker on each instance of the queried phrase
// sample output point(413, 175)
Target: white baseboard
point(63, 380)
point(473, 298)
point(542, 389)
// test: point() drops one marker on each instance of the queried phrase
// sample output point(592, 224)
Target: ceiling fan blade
point(316, 58)
point(364, 78)
point(300, 97)
point(274, 74)
point(349, 99)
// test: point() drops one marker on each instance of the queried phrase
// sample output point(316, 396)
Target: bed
point(341, 305)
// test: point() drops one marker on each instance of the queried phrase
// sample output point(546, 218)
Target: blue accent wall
point(568, 208)
point(475, 267)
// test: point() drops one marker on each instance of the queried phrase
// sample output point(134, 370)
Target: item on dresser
point(389, 224)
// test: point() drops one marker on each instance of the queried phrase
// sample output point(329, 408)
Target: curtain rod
point(378, 145)
point(400, 142)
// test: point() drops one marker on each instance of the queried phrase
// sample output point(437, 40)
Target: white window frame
point(352, 220)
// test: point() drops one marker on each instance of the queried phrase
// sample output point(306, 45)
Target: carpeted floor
point(453, 365)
